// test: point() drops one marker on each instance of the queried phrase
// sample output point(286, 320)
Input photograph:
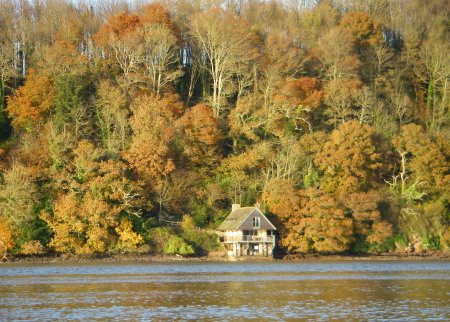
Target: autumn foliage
point(118, 117)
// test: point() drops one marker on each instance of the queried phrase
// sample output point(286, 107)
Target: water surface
point(227, 291)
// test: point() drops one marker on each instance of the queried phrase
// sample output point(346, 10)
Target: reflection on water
point(358, 290)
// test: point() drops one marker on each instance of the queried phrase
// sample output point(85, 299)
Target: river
point(226, 291)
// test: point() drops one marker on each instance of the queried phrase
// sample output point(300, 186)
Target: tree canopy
point(114, 117)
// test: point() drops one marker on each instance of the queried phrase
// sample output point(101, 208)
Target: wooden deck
point(249, 239)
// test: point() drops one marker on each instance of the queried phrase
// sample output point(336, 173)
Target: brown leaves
point(311, 221)
point(427, 157)
point(119, 26)
point(152, 126)
point(62, 57)
point(363, 28)
point(201, 133)
point(349, 159)
point(335, 52)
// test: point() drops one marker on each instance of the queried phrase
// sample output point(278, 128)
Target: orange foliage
point(427, 157)
point(152, 127)
point(297, 99)
point(67, 226)
point(201, 132)
point(367, 220)
point(349, 159)
point(363, 28)
point(6, 235)
point(63, 57)
point(309, 221)
point(119, 26)
point(154, 13)
point(282, 198)
point(322, 225)
point(31, 101)
point(282, 56)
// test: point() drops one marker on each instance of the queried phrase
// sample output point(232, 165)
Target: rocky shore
point(68, 258)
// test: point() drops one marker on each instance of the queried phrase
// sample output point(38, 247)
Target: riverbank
point(68, 258)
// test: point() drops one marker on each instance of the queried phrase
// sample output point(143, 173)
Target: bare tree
point(226, 42)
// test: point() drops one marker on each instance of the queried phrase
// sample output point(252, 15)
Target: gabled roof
point(238, 217)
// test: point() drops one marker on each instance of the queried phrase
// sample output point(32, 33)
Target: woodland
point(117, 115)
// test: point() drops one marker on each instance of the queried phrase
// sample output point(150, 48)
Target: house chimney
point(258, 205)
point(235, 206)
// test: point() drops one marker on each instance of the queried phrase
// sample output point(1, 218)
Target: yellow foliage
point(128, 239)
point(187, 223)
point(6, 236)
point(32, 247)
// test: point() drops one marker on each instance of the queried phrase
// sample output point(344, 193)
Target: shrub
point(32, 247)
point(158, 238)
point(176, 245)
point(431, 242)
point(202, 241)
point(128, 239)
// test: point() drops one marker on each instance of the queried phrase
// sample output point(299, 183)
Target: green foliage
point(201, 241)
point(71, 93)
point(400, 240)
point(311, 177)
point(142, 226)
point(431, 242)
point(176, 245)
point(200, 212)
point(158, 238)
point(360, 245)
point(36, 230)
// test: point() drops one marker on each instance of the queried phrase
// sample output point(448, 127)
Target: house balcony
point(249, 239)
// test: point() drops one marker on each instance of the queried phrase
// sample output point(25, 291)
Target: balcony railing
point(249, 238)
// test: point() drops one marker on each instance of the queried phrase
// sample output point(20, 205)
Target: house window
point(256, 222)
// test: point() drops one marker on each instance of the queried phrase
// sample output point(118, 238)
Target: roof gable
point(241, 218)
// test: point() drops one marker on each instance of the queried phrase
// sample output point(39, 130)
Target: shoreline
point(124, 258)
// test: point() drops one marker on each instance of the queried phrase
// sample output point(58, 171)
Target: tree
point(310, 220)
point(369, 42)
point(62, 58)
point(112, 116)
point(6, 237)
point(152, 130)
point(322, 225)
point(161, 42)
point(227, 43)
point(424, 158)
point(335, 52)
point(128, 239)
point(314, 23)
point(18, 195)
point(201, 133)
point(69, 107)
point(85, 209)
point(349, 159)
point(368, 227)
point(363, 28)
point(7, 70)
point(297, 100)
point(340, 98)
point(120, 38)
point(161, 56)
point(434, 55)
point(31, 102)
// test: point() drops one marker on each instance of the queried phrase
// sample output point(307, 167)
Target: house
point(247, 232)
